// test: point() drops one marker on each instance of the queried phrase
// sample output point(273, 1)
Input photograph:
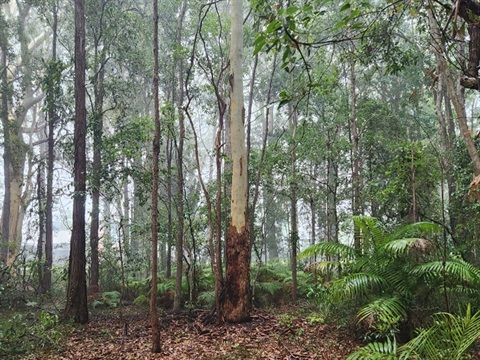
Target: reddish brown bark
point(236, 302)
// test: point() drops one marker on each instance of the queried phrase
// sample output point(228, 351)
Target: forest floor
point(126, 334)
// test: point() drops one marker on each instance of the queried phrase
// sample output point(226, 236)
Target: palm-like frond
point(384, 308)
point(415, 230)
point(449, 337)
point(402, 246)
point(354, 285)
point(379, 351)
point(328, 248)
point(371, 231)
point(458, 269)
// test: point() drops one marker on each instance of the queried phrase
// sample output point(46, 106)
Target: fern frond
point(378, 351)
point(384, 308)
point(415, 230)
point(371, 231)
point(355, 285)
point(462, 271)
point(449, 337)
point(402, 246)
point(269, 287)
point(328, 248)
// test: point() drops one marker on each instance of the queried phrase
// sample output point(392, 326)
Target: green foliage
point(165, 286)
point(24, 333)
point(207, 298)
point(378, 351)
point(141, 300)
point(110, 299)
point(449, 337)
point(380, 276)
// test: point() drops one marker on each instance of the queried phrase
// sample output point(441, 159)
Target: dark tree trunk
point(47, 274)
point(76, 306)
point(41, 224)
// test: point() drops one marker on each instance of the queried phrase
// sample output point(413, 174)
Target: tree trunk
point(236, 295)
point(98, 89)
point(453, 94)
point(177, 303)
point(76, 306)
point(41, 224)
point(355, 155)
point(156, 347)
point(293, 204)
point(52, 116)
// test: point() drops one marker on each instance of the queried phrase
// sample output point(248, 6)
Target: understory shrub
point(22, 333)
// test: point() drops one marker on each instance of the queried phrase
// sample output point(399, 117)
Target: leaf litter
point(126, 334)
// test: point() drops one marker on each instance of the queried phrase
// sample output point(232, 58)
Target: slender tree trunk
point(41, 224)
point(76, 306)
point(47, 272)
point(98, 90)
point(168, 260)
point(293, 204)
point(236, 300)
point(355, 156)
point(156, 347)
point(177, 303)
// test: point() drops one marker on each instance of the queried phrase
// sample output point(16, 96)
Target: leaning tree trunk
point(469, 11)
point(236, 293)
point(76, 306)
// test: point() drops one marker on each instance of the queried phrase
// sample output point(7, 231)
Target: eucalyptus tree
point(236, 300)
point(20, 95)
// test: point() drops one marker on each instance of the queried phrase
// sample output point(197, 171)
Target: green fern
point(379, 351)
point(269, 287)
point(449, 338)
point(328, 248)
point(384, 308)
point(458, 269)
point(356, 285)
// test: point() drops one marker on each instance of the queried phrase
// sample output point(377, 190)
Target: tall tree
point(76, 306)
point(177, 304)
point(236, 296)
point(54, 85)
point(156, 347)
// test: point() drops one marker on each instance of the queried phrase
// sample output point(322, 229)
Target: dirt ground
point(126, 334)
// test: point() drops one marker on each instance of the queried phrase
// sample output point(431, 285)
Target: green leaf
point(291, 10)
point(259, 44)
point(345, 6)
point(273, 26)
